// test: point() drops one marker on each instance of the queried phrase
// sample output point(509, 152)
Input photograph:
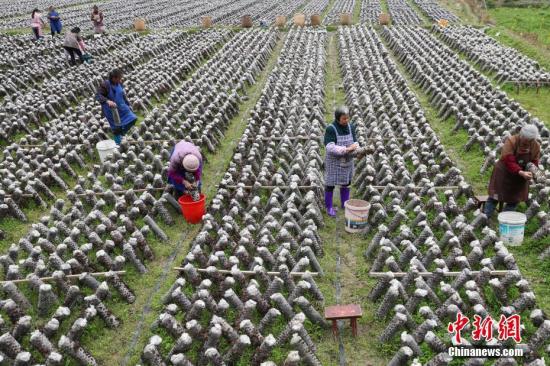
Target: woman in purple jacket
point(185, 169)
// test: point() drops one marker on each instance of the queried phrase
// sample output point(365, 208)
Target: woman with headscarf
point(37, 24)
point(55, 21)
point(341, 148)
point(72, 43)
point(116, 107)
point(510, 178)
point(97, 20)
point(185, 170)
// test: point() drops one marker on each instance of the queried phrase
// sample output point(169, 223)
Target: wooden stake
point(430, 274)
point(250, 273)
point(95, 274)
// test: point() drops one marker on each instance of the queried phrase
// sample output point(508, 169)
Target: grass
point(356, 16)
point(534, 102)
point(19, 31)
point(462, 9)
point(533, 24)
point(213, 172)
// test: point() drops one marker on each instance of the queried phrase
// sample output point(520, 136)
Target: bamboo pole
point(103, 193)
point(250, 273)
point(124, 191)
point(147, 142)
point(198, 141)
point(313, 187)
point(445, 274)
point(527, 81)
point(400, 188)
point(269, 187)
point(26, 195)
point(243, 187)
point(95, 274)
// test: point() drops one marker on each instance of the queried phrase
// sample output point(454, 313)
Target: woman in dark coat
point(510, 179)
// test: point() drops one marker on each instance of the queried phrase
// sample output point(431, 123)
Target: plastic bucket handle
point(355, 213)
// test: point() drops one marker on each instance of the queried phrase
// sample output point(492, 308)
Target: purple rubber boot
point(328, 203)
point(344, 195)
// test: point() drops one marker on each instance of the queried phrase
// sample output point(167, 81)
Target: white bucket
point(105, 148)
point(512, 227)
point(357, 213)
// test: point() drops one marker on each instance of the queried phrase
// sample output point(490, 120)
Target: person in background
point(72, 45)
point(511, 176)
point(97, 20)
point(55, 21)
point(185, 170)
point(340, 143)
point(37, 24)
point(115, 105)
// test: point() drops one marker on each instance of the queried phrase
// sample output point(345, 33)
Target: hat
point(529, 132)
point(191, 162)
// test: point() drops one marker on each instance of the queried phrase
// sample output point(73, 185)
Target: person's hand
point(526, 175)
point(187, 185)
point(352, 147)
point(111, 104)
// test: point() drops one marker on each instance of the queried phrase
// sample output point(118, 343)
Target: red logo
point(482, 328)
point(508, 327)
point(457, 326)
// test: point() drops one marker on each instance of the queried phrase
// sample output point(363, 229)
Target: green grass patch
point(357, 12)
point(532, 23)
point(536, 102)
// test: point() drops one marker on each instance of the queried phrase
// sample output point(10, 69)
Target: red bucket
point(192, 211)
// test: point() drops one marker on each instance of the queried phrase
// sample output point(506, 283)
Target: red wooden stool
point(337, 312)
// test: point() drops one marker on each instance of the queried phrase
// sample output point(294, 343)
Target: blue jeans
point(121, 131)
point(491, 205)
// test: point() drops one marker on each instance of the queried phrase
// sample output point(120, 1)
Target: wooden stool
point(337, 312)
point(481, 200)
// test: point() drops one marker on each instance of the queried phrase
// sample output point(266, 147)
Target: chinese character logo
point(508, 327)
point(457, 326)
